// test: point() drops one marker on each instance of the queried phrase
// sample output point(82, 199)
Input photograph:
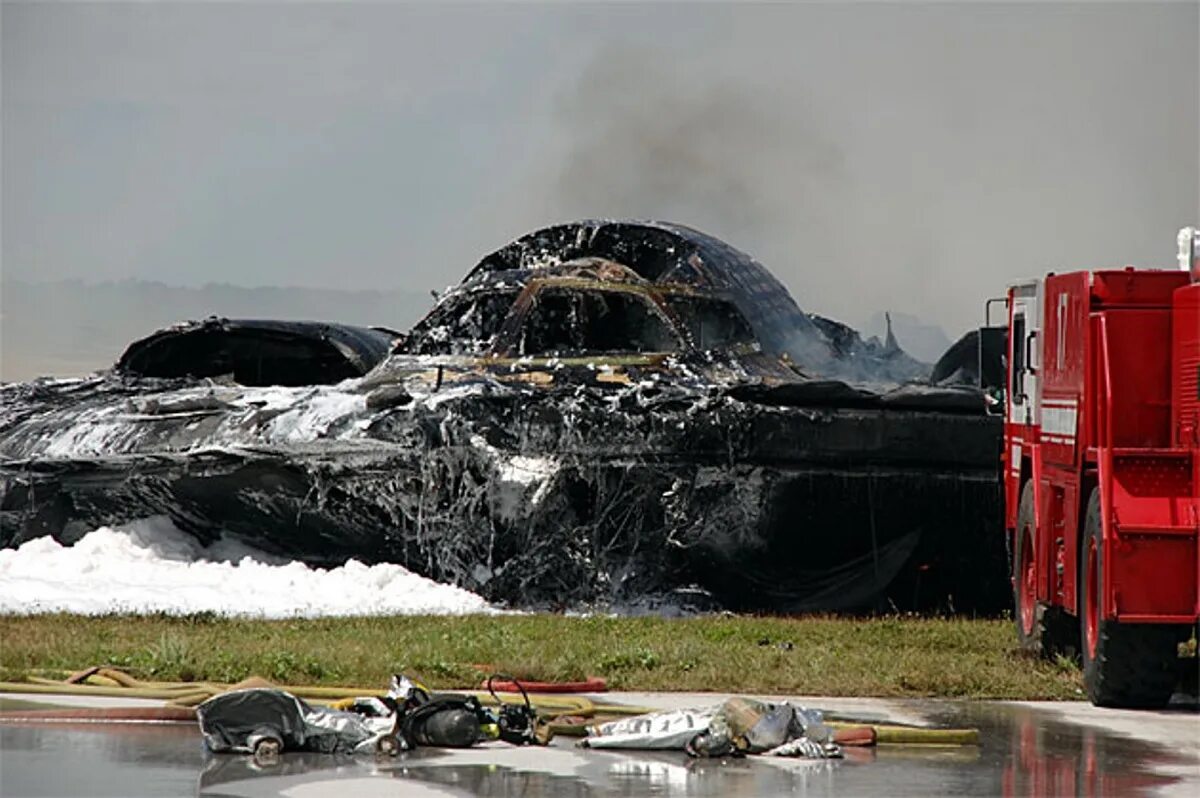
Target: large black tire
point(1041, 630)
point(1124, 664)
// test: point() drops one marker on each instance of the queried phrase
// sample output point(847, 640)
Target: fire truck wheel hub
point(1091, 605)
point(1028, 584)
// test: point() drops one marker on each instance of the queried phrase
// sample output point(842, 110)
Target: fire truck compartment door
point(1026, 362)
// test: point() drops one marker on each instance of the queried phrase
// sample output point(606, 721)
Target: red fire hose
point(592, 684)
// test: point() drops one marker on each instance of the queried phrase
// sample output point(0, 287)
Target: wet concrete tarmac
point(1025, 750)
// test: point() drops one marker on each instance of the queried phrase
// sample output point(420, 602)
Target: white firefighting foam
point(150, 566)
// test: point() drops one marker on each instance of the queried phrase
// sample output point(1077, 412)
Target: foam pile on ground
point(150, 566)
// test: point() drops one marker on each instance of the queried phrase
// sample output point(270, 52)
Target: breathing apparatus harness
point(453, 720)
point(515, 723)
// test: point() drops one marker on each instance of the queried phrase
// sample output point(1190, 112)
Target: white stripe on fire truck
point(1058, 422)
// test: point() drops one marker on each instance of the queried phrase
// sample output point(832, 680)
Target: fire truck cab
point(1101, 471)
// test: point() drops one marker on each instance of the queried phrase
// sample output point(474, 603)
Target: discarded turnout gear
point(267, 721)
point(737, 727)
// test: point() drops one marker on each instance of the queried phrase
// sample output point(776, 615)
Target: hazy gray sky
point(902, 156)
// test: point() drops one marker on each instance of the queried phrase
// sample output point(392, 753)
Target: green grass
point(889, 656)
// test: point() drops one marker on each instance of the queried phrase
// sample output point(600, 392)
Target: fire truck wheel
point(1124, 664)
point(1039, 628)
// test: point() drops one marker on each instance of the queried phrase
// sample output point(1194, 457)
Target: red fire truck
point(1101, 468)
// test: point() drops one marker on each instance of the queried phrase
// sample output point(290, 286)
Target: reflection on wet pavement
point(1023, 752)
point(1062, 759)
point(99, 759)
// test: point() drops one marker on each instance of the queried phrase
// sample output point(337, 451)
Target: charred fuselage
point(601, 412)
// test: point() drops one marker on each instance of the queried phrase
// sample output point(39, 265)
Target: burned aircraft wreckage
point(600, 413)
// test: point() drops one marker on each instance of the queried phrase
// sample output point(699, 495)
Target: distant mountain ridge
point(71, 328)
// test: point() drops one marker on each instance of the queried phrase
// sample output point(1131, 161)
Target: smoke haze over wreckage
point(601, 412)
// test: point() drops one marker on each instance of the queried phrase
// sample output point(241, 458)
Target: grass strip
point(884, 656)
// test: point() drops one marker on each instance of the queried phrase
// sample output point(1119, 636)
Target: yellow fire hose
point(111, 682)
point(888, 734)
point(116, 683)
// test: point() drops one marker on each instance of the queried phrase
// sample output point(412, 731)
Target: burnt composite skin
point(602, 412)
